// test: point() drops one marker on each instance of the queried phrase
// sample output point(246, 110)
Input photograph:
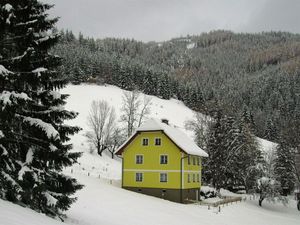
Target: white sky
point(160, 20)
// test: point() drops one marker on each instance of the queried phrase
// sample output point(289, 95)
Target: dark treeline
point(256, 73)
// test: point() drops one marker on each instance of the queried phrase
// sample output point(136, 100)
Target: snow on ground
point(102, 203)
point(190, 45)
point(266, 146)
point(11, 214)
point(99, 202)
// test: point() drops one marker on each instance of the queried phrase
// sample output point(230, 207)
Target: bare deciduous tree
point(200, 125)
point(134, 110)
point(115, 141)
point(102, 124)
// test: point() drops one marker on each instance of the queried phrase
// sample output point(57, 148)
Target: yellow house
point(160, 160)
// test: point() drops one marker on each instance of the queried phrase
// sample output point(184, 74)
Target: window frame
point(189, 160)
point(157, 138)
point(166, 177)
point(160, 159)
point(188, 178)
point(136, 157)
point(194, 160)
point(194, 178)
point(141, 176)
point(147, 141)
point(198, 161)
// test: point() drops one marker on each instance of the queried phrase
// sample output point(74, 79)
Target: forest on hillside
point(253, 74)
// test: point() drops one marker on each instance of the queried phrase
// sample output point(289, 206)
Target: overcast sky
point(160, 20)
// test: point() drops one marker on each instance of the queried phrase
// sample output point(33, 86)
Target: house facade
point(160, 160)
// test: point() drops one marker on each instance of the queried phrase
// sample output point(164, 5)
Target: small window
point(194, 178)
point(138, 177)
point(145, 141)
point(163, 159)
point(198, 177)
point(198, 161)
point(139, 159)
point(194, 161)
point(189, 160)
point(163, 177)
point(189, 178)
point(157, 141)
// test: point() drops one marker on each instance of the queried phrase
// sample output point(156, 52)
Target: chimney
point(166, 121)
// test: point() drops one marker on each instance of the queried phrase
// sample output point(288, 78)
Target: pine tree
point(33, 136)
point(284, 167)
point(215, 164)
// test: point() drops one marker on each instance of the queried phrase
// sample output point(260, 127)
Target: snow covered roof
point(178, 137)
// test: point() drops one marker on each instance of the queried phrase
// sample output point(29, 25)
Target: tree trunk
point(260, 200)
point(99, 149)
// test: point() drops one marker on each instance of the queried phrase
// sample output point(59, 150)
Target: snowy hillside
point(102, 201)
point(81, 97)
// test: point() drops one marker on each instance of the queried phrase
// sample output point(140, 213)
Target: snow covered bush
point(208, 192)
point(269, 189)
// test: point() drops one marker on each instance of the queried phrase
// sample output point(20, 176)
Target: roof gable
point(180, 139)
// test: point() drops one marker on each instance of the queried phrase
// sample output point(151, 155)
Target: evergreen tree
point(33, 136)
point(215, 164)
point(284, 167)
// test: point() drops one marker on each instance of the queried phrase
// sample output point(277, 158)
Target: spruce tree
point(33, 136)
point(284, 166)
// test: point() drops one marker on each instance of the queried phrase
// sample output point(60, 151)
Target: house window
point(198, 177)
point(189, 178)
point(194, 161)
point(198, 161)
point(139, 159)
point(163, 159)
point(163, 177)
point(189, 160)
point(138, 177)
point(145, 141)
point(194, 178)
point(157, 141)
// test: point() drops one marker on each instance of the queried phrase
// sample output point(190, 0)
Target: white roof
point(177, 136)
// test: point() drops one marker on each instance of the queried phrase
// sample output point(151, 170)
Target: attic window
point(145, 142)
point(157, 141)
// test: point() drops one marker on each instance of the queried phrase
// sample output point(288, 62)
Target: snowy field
point(103, 202)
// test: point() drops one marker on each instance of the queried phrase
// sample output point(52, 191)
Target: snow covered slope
point(81, 97)
point(102, 201)
point(11, 214)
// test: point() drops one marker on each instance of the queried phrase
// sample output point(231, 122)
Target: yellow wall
point(151, 167)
